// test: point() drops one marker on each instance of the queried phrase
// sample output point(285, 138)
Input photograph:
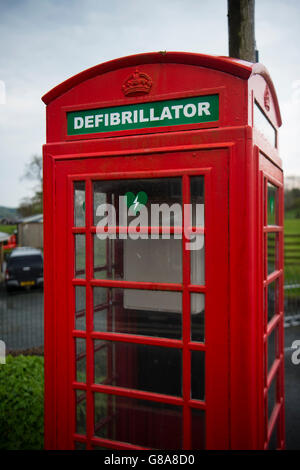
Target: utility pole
point(241, 29)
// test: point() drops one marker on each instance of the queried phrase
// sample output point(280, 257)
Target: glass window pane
point(262, 123)
point(80, 359)
point(272, 299)
point(272, 215)
point(153, 260)
point(104, 262)
point(142, 193)
point(104, 418)
point(272, 252)
point(79, 445)
point(272, 396)
point(139, 422)
point(198, 374)
point(79, 204)
point(79, 255)
point(197, 200)
point(80, 397)
point(138, 366)
point(273, 439)
point(197, 260)
point(197, 317)
point(272, 347)
point(138, 312)
point(265, 306)
point(265, 363)
point(144, 260)
point(80, 313)
point(198, 429)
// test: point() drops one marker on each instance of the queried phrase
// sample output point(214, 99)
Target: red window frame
point(273, 375)
point(211, 163)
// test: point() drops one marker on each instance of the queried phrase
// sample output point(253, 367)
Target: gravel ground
point(22, 319)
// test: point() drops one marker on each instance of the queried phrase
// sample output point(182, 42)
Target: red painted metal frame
point(187, 345)
point(236, 388)
point(186, 287)
point(273, 175)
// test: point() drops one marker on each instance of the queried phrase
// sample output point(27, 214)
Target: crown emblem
point(267, 98)
point(138, 83)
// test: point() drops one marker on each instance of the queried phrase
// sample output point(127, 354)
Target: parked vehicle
point(24, 268)
point(11, 243)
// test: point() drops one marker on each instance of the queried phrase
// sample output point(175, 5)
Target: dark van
point(24, 268)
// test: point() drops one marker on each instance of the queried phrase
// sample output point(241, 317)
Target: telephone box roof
point(236, 67)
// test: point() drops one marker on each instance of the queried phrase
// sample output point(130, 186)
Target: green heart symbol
point(272, 205)
point(136, 200)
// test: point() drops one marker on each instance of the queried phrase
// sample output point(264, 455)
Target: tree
point(34, 169)
point(292, 201)
point(241, 29)
point(34, 172)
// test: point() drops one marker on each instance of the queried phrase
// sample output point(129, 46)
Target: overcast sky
point(43, 42)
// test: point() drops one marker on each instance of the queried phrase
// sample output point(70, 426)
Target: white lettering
point(121, 116)
point(165, 211)
point(296, 354)
point(106, 227)
point(152, 117)
point(203, 108)
point(123, 221)
point(166, 113)
point(176, 108)
point(142, 118)
point(89, 121)
point(139, 221)
point(115, 119)
point(126, 117)
point(188, 113)
point(98, 119)
point(196, 241)
point(78, 122)
point(2, 352)
point(115, 460)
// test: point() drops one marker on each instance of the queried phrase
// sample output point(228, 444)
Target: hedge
point(22, 403)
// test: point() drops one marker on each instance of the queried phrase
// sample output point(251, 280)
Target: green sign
point(191, 110)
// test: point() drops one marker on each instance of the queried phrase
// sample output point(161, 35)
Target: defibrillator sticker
point(190, 110)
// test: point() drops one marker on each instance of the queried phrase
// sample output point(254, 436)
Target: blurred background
point(45, 42)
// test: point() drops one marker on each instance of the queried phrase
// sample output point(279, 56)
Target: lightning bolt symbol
point(135, 203)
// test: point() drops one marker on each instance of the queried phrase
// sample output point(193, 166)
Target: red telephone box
point(151, 342)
